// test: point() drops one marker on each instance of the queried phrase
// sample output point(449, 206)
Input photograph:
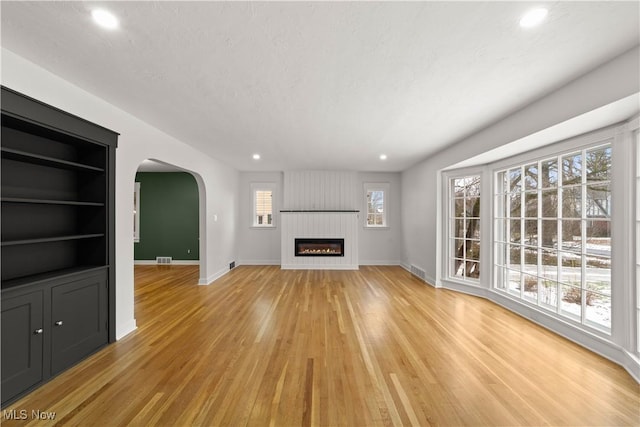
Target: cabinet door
point(22, 343)
point(78, 320)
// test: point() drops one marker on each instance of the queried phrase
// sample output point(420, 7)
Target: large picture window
point(464, 227)
point(553, 234)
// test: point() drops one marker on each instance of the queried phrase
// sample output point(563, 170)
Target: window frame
point(600, 137)
point(450, 219)
point(635, 132)
point(443, 235)
point(263, 186)
point(376, 186)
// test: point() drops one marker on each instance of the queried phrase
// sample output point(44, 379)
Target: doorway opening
point(169, 211)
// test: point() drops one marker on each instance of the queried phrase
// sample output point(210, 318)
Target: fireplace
point(319, 247)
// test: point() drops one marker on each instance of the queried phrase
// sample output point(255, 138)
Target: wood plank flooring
point(374, 347)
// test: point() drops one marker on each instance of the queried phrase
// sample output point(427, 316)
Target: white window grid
point(465, 266)
point(263, 205)
point(536, 286)
point(376, 216)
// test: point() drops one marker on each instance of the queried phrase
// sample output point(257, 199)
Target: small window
point(263, 204)
point(376, 202)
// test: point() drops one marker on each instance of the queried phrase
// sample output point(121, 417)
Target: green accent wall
point(169, 216)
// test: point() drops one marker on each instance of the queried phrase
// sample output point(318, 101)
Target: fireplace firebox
point(319, 247)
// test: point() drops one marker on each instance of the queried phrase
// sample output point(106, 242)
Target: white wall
point(380, 246)
point(262, 246)
point(419, 210)
point(258, 245)
point(421, 186)
point(139, 141)
point(320, 190)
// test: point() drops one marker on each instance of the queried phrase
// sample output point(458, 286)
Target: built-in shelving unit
point(57, 241)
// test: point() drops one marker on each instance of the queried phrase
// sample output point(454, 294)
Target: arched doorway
point(169, 213)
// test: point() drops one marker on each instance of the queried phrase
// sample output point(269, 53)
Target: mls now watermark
point(23, 414)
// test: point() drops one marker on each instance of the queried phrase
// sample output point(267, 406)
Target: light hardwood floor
point(267, 347)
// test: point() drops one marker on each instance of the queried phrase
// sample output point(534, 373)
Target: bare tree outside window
point(553, 234)
point(375, 208)
point(465, 227)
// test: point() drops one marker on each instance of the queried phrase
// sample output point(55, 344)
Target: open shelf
point(49, 202)
point(51, 239)
point(13, 154)
point(55, 274)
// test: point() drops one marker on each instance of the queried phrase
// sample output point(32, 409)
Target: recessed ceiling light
point(383, 157)
point(105, 19)
point(256, 157)
point(533, 17)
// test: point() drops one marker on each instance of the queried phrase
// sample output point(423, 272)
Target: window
point(263, 204)
point(136, 213)
point(553, 234)
point(264, 207)
point(464, 227)
point(376, 196)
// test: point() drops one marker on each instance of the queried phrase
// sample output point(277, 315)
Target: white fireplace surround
point(323, 225)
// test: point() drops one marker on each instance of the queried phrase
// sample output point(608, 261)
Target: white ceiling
point(319, 85)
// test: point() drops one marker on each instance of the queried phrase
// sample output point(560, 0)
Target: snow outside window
point(552, 234)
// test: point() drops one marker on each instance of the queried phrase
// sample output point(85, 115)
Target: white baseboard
point(315, 266)
point(428, 280)
point(173, 262)
point(209, 280)
point(632, 365)
point(375, 262)
point(318, 267)
point(258, 262)
point(464, 288)
point(126, 329)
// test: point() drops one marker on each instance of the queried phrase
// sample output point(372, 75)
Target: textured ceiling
point(319, 85)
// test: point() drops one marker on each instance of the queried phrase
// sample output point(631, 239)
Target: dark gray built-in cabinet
point(58, 253)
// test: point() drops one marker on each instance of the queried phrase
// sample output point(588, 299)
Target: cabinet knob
point(38, 331)
point(58, 323)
